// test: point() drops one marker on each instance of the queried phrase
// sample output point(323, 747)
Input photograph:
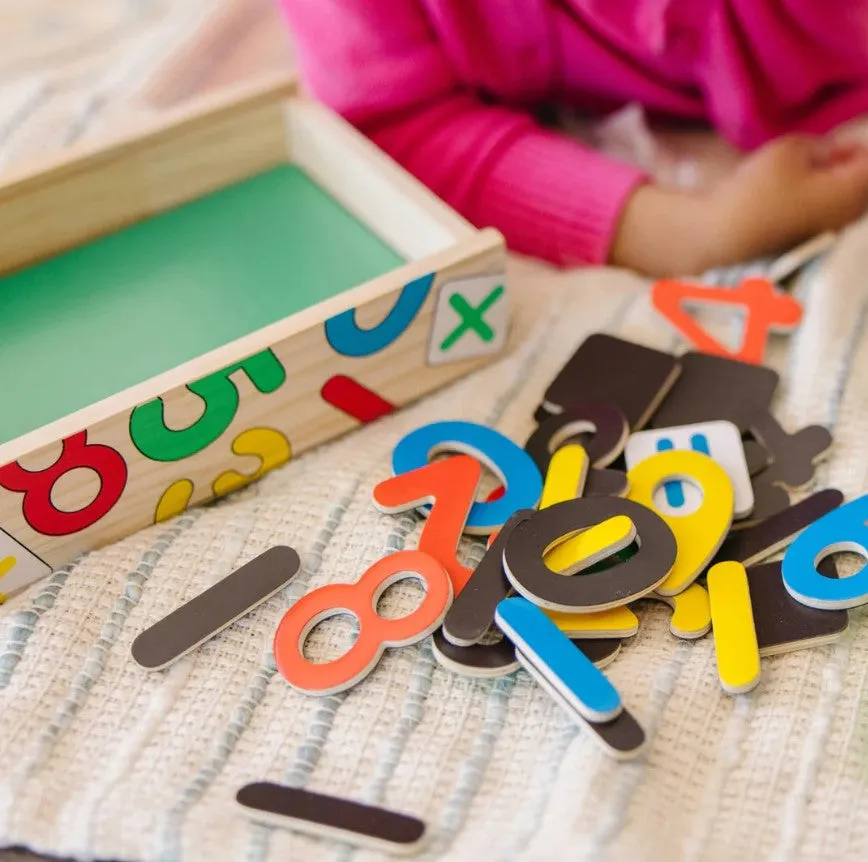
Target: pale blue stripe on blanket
point(847, 365)
point(169, 842)
point(836, 665)
point(23, 623)
point(95, 660)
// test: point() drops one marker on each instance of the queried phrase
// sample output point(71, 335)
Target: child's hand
point(785, 193)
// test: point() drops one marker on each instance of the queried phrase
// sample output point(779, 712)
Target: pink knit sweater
point(448, 89)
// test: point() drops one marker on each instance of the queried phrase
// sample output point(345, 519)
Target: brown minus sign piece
point(215, 609)
point(763, 540)
point(622, 738)
point(325, 816)
point(609, 369)
point(785, 625)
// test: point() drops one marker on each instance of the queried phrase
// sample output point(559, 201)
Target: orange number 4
point(767, 310)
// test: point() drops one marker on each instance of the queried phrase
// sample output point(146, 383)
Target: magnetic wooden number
point(349, 339)
point(843, 529)
point(450, 486)
point(220, 399)
point(735, 641)
point(565, 480)
point(631, 579)
point(605, 422)
point(36, 485)
point(552, 653)
point(566, 473)
point(375, 632)
point(691, 612)
point(768, 310)
point(513, 465)
point(699, 534)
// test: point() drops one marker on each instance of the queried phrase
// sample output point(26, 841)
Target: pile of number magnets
point(593, 515)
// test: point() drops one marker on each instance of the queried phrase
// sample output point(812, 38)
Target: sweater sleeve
point(380, 65)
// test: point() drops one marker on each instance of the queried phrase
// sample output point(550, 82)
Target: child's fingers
point(838, 153)
point(839, 195)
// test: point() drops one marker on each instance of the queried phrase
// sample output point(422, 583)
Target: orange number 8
point(375, 632)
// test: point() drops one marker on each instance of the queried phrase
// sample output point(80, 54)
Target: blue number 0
point(512, 465)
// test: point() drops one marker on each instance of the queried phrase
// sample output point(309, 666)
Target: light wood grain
point(394, 204)
point(60, 202)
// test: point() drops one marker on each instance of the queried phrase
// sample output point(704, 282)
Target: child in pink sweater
point(449, 88)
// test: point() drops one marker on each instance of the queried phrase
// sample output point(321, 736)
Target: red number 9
point(39, 511)
point(375, 632)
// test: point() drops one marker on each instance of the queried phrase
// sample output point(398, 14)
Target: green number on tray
point(220, 398)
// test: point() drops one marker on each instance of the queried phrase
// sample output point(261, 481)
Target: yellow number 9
point(700, 534)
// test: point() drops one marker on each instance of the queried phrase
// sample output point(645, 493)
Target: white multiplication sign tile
point(471, 319)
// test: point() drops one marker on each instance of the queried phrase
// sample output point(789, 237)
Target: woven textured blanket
point(103, 760)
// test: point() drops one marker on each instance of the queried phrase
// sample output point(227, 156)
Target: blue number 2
point(675, 490)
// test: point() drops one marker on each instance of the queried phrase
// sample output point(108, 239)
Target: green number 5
point(219, 395)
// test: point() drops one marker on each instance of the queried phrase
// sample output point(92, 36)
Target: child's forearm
point(785, 193)
point(666, 233)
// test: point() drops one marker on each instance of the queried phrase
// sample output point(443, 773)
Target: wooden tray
point(189, 307)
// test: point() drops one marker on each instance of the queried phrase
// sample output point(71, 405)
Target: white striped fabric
point(101, 759)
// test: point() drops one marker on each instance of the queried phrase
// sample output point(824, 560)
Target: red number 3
point(40, 513)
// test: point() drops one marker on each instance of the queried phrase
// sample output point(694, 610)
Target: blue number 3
point(349, 339)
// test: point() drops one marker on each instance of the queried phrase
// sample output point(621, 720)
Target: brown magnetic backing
point(587, 591)
point(472, 610)
point(488, 658)
point(331, 812)
point(784, 624)
point(500, 657)
point(598, 650)
point(606, 483)
point(714, 387)
point(609, 369)
point(794, 456)
point(753, 544)
point(622, 735)
point(769, 499)
point(602, 444)
point(542, 413)
point(213, 610)
point(756, 456)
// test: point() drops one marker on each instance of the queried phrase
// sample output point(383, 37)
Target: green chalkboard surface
point(102, 317)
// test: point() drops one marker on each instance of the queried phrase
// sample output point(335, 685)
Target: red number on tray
point(36, 485)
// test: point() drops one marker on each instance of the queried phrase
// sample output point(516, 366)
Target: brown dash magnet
point(218, 607)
